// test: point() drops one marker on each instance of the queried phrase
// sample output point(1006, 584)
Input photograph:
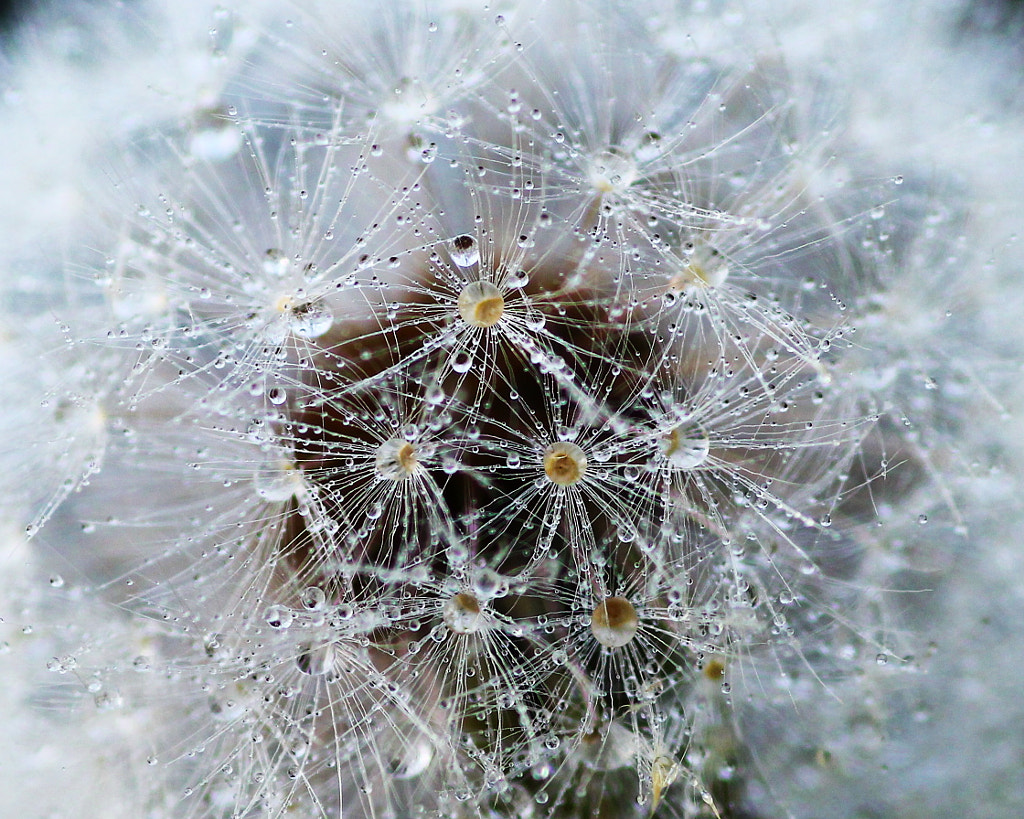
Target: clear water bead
point(686, 448)
point(614, 622)
point(481, 304)
point(310, 319)
point(464, 250)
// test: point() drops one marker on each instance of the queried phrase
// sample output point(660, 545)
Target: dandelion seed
point(396, 459)
point(565, 463)
point(462, 614)
point(305, 318)
point(686, 448)
point(614, 622)
point(481, 304)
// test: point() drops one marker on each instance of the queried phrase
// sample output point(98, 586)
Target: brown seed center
point(564, 463)
point(481, 304)
point(462, 613)
point(396, 459)
point(614, 622)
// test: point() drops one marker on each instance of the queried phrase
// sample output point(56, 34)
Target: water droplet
point(462, 361)
point(614, 622)
point(310, 319)
point(275, 263)
point(481, 304)
point(278, 617)
point(686, 447)
point(416, 758)
point(428, 154)
point(649, 147)
point(316, 660)
point(464, 250)
point(313, 598)
point(517, 279)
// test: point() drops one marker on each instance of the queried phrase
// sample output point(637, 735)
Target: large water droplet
point(464, 250)
point(686, 447)
point(310, 319)
point(462, 361)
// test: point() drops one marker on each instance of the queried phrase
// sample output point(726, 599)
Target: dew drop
point(462, 361)
point(686, 448)
point(614, 622)
point(316, 660)
point(564, 463)
point(649, 147)
point(481, 304)
point(517, 280)
point(313, 598)
point(416, 758)
point(279, 617)
point(464, 250)
point(309, 319)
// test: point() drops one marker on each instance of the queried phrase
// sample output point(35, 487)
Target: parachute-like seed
point(396, 460)
point(481, 304)
point(686, 448)
point(462, 613)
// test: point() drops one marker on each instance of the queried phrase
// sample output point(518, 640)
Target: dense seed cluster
point(492, 385)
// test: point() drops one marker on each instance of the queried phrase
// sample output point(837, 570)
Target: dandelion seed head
point(512, 442)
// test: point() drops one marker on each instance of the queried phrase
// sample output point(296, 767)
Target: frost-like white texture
point(463, 409)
